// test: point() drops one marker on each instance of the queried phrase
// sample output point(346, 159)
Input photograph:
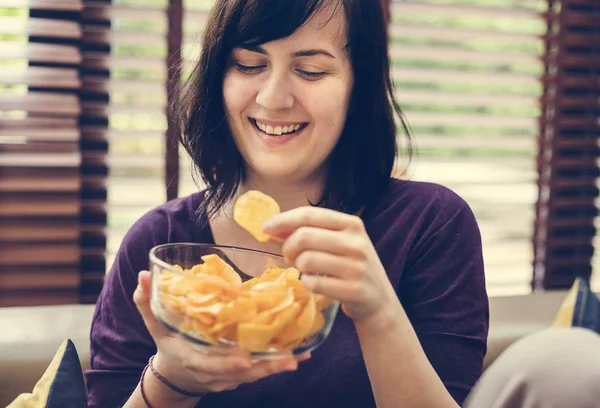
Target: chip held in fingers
point(273, 311)
point(252, 209)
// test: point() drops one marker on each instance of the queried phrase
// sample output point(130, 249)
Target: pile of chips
point(274, 311)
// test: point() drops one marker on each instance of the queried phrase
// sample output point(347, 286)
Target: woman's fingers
point(322, 263)
point(303, 357)
point(314, 238)
point(141, 297)
point(281, 225)
point(342, 290)
point(221, 369)
point(267, 368)
point(211, 367)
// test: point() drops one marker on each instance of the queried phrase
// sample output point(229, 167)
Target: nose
point(275, 93)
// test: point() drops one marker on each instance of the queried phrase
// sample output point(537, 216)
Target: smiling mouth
point(278, 130)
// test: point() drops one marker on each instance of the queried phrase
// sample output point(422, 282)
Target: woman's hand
point(193, 370)
point(336, 257)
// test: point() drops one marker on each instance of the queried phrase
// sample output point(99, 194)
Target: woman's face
point(286, 101)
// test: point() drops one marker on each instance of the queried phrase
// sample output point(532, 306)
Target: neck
point(289, 194)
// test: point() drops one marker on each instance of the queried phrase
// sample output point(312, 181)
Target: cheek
point(331, 106)
point(237, 95)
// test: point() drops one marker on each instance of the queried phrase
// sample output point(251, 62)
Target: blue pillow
point(580, 308)
point(61, 386)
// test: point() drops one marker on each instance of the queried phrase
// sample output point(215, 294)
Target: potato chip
point(214, 265)
point(240, 310)
point(257, 336)
point(200, 298)
point(252, 209)
point(301, 292)
point(299, 328)
point(267, 300)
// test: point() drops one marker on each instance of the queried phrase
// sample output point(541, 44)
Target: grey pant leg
point(556, 368)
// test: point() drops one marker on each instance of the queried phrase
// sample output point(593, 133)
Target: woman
point(292, 98)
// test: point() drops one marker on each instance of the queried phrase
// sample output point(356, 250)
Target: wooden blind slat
point(436, 75)
point(106, 11)
point(42, 77)
point(59, 124)
point(39, 254)
point(51, 205)
point(48, 278)
point(126, 63)
point(457, 34)
point(64, 160)
point(36, 231)
point(452, 55)
point(459, 10)
point(473, 120)
point(42, 103)
point(102, 35)
point(42, 297)
point(63, 5)
point(39, 27)
point(425, 96)
point(62, 54)
point(40, 184)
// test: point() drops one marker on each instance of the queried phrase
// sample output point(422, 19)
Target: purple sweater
point(429, 243)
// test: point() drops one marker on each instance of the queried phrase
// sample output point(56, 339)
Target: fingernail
point(307, 280)
point(267, 226)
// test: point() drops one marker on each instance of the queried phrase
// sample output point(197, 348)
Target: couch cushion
point(61, 386)
point(513, 317)
point(29, 338)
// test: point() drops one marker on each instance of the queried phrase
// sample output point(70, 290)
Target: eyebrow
point(301, 53)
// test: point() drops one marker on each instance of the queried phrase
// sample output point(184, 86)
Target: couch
point(29, 336)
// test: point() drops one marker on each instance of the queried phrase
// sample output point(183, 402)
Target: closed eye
point(311, 76)
point(249, 69)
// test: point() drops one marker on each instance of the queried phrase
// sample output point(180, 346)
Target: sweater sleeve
point(443, 292)
point(120, 344)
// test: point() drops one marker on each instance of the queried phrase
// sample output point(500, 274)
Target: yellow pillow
point(580, 308)
point(61, 386)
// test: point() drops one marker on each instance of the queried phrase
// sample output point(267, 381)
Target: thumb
point(141, 297)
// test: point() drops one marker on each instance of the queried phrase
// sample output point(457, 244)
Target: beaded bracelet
point(171, 385)
point(144, 397)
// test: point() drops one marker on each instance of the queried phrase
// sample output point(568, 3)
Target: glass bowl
point(192, 303)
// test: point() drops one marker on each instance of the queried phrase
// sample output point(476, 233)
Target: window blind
point(567, 206)
point(468, 78)
point(40, 181)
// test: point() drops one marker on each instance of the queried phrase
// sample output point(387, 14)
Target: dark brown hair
point(362, 161)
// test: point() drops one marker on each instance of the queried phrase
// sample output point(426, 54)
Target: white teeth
point(277, 130)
